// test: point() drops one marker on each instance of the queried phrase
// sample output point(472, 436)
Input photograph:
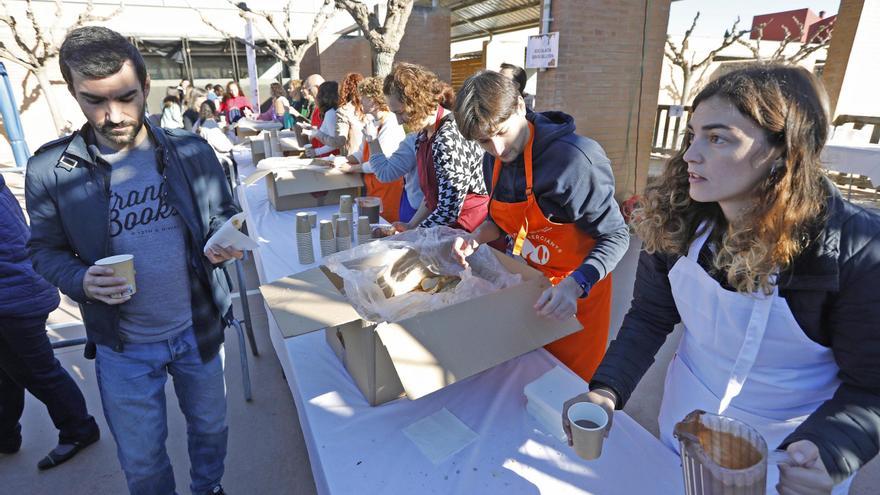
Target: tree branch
point(731, 37)
point(6, 53)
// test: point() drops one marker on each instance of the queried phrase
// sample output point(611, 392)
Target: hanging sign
point(542, 51)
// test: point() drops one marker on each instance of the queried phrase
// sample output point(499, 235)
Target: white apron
point(744, 356)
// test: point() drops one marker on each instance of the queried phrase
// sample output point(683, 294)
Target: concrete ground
point(267, 454)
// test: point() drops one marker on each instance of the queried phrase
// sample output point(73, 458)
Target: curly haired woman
point(771, 272)
point(449, 166)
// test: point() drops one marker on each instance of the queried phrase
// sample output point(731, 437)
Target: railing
point(669, 127)
point(860, 121)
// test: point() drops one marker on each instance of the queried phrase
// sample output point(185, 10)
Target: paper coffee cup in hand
point(588, 423)
point(123, 266)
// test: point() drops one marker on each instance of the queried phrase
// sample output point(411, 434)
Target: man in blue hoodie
point(26, 357)
point(552, 192)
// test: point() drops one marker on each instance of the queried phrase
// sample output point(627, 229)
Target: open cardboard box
point(311, 187)
point(424, 353)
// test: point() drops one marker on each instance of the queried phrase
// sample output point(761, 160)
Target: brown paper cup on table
point(363, 227)
point(313, 218)
point(304, 248)
point(345, 204)
point(343, 234)
point(588, 423)
point(123, 266)
point(370, 206)
point(302, 223)
point(326, 230)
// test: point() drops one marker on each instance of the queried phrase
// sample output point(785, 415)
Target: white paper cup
point(123, 266)
point(588, 423)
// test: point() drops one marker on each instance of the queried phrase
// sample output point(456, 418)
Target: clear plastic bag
point(380, 276)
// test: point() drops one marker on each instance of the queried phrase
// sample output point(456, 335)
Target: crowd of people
point(746, 244)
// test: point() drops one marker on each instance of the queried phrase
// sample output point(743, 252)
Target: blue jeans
point(132, 385)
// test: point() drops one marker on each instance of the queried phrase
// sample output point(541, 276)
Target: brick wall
point(608, 78)
point(426, 41)
point(343, 55)
point(311, 62)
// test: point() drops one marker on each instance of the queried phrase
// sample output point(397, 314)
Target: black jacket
point(23, 293)
point(830, 290)
point(68, 190)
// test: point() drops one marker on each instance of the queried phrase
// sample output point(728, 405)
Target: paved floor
point(267, 454)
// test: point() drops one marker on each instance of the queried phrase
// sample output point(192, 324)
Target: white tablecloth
point(358, 449)
point(861, 159)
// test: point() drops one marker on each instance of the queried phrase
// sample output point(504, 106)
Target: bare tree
point(384, 38)
point(692, 71)
point(819, 40)
point(35, 46)
point(289, 50)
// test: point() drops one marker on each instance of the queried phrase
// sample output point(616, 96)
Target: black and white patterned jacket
point(458, 164)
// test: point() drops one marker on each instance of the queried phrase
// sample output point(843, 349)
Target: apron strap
point(748, 353)
point(699, 242)
point(530, 198)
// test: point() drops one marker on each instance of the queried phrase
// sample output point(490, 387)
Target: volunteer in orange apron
point(553, 194)
point(384, 133)
point(449, 166)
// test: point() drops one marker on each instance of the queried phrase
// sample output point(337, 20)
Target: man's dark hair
point(96, 52)
point(217, 87)
point(209, 87)
point(519, 76)
point(485, 100)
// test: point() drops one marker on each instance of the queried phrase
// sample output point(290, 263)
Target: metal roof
point(479, 18)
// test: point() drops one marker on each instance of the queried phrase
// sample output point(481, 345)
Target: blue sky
point(718, 15)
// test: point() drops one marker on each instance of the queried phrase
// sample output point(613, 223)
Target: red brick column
point(610, 57)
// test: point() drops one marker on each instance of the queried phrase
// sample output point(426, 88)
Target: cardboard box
point(286, 139)
point(310, 188)
point(424, 353)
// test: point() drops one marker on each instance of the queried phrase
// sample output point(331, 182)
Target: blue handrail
point(11, 120)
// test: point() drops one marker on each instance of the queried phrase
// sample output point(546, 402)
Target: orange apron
point(388, 192)
point(557, 249)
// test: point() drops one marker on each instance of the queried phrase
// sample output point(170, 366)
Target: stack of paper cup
point(343, 234)
point(328, 239)
point(304, 246)
point(346, 209)
point(364, 232)
point(313, 218)
point(275, 144)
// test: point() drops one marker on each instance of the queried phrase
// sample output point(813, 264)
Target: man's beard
point(124, 139)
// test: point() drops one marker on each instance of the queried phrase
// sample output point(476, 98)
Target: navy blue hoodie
point(573, 183)
point(23, 293)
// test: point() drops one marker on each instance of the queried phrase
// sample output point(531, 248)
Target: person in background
point(310, 94)
point(218, 91)
point(184, 90)
point(349, 116)
point(279, 106)
point(553, 193)
point(208, 129)
point(211, 95)
point(235, 105)
point(27, 361)
point(172, 118)
point(119, 185)
point(327, 102)
point(191, 114)
point(773, 276)
point(449, 166)
point(518, 75)
point(381, 132)
point(295, 96)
